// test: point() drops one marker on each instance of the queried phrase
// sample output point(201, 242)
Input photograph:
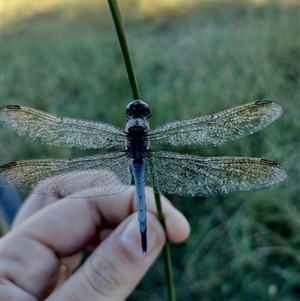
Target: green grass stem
point(124, 48)
point(166, 250)
point(136, 95)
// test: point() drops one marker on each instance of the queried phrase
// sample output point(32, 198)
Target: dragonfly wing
point(61, 132)
point(199, 176)
point(101, 174)
point(217, 129)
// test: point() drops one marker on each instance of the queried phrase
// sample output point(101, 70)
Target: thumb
point(117, 264)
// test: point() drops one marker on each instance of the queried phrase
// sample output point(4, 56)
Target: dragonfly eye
point(138, 109)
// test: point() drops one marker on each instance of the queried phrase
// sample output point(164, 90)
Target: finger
point(32, 204)
point(69, 185)
point(177, 226)
point(176, 232)
point(65, 228)
point(116, 266)
point(116, 208)
point(114, 211)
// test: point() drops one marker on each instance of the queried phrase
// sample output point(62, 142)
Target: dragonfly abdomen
point(138, 170)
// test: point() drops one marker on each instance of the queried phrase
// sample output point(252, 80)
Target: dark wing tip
point(280, 171)
point(8, 165)
point(269, 162)
point(13, 107)
point(263, 102)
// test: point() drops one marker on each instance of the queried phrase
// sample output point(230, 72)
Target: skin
point(49, 234)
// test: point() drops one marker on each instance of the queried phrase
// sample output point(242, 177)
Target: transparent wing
point(217, 129)
point(61, 132)
point(102, 174)
point(199, 176)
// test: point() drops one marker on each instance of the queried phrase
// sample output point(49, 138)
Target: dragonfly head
point(137, 109)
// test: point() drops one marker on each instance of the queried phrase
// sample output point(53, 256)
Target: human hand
point(49, 235)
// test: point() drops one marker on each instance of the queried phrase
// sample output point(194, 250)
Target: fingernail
point(131, 238)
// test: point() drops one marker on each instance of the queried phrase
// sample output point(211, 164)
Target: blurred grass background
point(192, 58)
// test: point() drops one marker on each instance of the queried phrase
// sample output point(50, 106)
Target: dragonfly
point(127, 154)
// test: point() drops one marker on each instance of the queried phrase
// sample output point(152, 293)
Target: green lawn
point(189, 62)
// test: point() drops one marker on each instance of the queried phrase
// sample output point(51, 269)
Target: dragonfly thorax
point(137, 138)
